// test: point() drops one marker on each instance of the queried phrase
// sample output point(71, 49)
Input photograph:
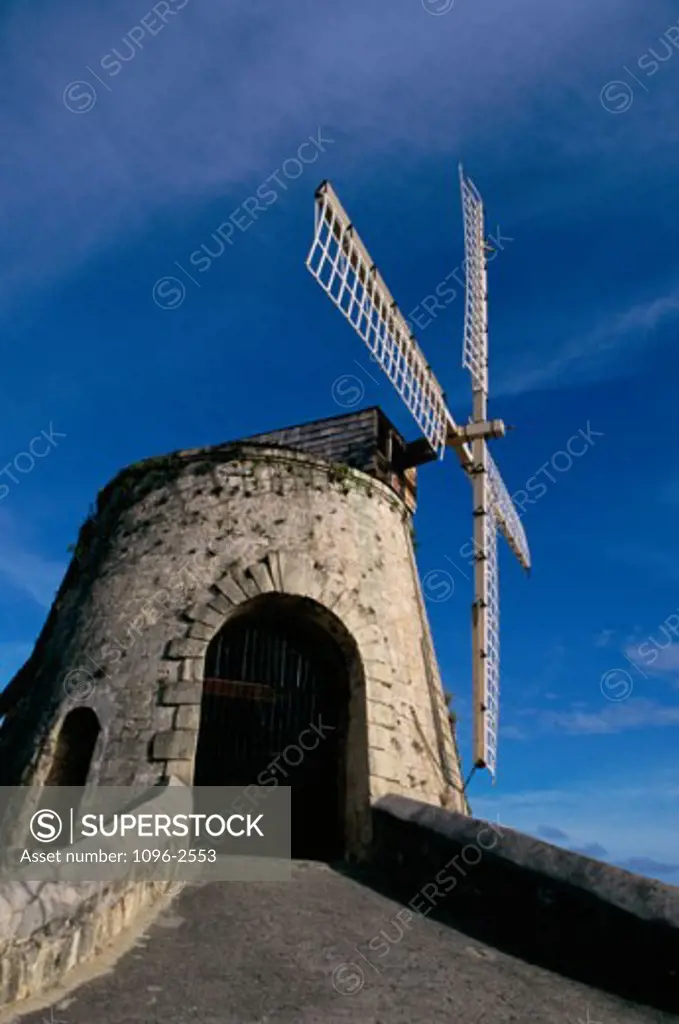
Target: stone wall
point(575, 915)
point(176, 546)
point(49, 927)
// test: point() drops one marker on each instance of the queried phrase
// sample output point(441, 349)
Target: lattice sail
point(342, 266)
point(475, 337)
point(492, 660)
point(508, 518)
point(485, 613)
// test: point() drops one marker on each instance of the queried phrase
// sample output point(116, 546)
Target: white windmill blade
point(475, 336)
point(508, 518)
point(492, 712)
point(493, 507)
point(486, 629)
point(344, 269)
point(475, 357)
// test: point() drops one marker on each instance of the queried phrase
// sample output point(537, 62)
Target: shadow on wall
point(579, 917)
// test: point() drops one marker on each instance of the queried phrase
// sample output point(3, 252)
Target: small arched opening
point(277, 705)
point(74, 749)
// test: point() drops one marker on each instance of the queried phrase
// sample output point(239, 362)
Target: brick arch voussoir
point(215, 604)
point(282, 572)
point(182, 667)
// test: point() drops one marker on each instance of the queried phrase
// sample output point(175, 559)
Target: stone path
point(300, 952)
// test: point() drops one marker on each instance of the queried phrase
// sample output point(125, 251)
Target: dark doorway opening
point(75, 747)
point(70, 768)
point(275, 706)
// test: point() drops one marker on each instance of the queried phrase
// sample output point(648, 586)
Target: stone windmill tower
point(247, 613)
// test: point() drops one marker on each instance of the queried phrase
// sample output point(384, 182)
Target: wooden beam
point(239, 689)
point(417, 453)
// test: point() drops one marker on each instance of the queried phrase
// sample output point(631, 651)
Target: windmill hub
point(484, 429)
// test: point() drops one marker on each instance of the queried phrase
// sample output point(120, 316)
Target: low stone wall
point(577, 916)
point(49, 927)
point(46, 929)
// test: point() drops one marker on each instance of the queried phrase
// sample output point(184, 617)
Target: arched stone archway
point(303, 588)
point(275, 711)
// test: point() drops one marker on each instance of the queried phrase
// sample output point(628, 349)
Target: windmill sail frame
point(485, 612)
point(341, 264)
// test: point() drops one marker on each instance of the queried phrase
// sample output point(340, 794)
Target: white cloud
point(662, 662)
point(24, 569)
point(614, 717)
point(627, 822)
point(589, 356)
point(512, 732)
point(13, 654)
point(31, 573)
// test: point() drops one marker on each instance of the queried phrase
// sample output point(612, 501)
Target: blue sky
point(118, 166)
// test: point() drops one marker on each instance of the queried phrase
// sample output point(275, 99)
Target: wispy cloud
point(513, 732)
point(662, 662)
point(612, 718)
point(646, 317)
point(632, 826)
point(604, 637)
point(13, 654)
point(24, 569)
point(549, 832)
point(595, 354)
point(656, 563)
point(648, 866)
point(213, 102)
point(32, 574)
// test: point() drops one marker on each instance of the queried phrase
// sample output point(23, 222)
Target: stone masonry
point(175, 547)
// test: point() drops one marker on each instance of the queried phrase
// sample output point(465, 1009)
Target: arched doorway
point(275, 705)
point(69, 768)
point(74, 749)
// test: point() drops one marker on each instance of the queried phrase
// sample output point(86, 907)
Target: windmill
point(342, 266)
